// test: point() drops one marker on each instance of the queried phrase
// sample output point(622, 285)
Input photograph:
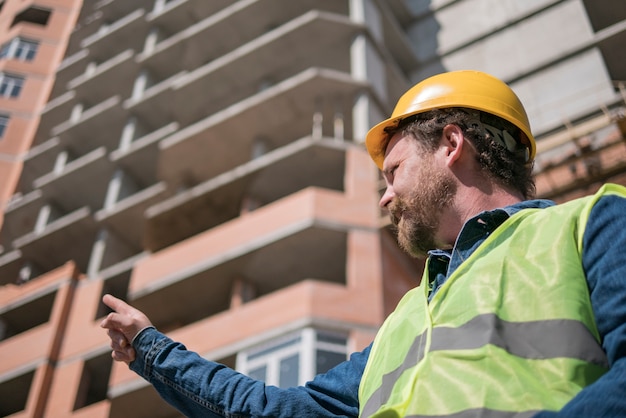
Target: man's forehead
point(395, 142)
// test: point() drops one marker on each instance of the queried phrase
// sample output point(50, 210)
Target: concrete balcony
point(611, 42)
point(104, 120)
point(310, 162)
point(81, 182)
point(396, 49)
point(278, 114)
point(128, 32)
point(177, 15)
point(155, 105)
point(67, 238)
point(71, 67)
point(10, 264)
point(139, 158)
point(20, 216)
point(235, 25)
point(54, 113)
point(39, 161)
point(115, 9)
point(126, 218)
point(306, 231)
point(95, 85)
point(224, 78)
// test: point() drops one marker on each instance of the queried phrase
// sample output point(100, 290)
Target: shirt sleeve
point(604, 262)
point(201, 388)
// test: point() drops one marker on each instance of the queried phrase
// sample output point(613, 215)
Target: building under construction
point(204, 161)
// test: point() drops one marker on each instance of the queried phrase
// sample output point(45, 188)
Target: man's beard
point(418, 215)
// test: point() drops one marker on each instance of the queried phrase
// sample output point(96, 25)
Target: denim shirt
point(202, 388)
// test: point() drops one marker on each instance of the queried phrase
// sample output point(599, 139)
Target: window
point(294, 359)
point(4, 122)
point(10, 85)
point(20, 49)
point(36, 15)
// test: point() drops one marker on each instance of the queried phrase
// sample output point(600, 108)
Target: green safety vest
point(511, 332)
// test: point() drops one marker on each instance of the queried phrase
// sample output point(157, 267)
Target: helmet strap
point(500, 136)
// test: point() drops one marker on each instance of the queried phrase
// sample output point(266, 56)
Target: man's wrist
point(132, 342)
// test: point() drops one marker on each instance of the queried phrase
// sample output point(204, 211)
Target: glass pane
point(330, 338)
point(4, 121)
point(326, 360)
point(272, 348)
point(31, 54)
point(289, 371)
point(260, 373)
point(15, 91)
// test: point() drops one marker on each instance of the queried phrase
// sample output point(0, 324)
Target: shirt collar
point(491, 219)
point(527, 204)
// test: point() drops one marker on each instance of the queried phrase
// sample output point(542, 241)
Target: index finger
point(118, 305)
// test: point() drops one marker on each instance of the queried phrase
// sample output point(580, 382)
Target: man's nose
point(387, 197)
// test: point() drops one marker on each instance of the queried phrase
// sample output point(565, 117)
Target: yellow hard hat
point(469, 89)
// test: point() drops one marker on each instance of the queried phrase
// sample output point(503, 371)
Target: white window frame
point(4, 123)
point(12, 85)
point(20, 48)
point(304, 343)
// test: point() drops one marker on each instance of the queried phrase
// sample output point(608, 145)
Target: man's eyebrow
point(387, 170)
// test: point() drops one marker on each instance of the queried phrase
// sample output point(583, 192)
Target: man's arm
point(198, 387)
point(604, 261)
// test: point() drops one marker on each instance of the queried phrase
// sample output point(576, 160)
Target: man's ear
point(452, 142)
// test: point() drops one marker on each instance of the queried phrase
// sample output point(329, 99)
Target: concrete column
point(259, 148)
point(77, 112)
point(357, 10)
point(243, 291)
point(366, 65)
point(318, 120)
point(128, 133)
point(107, 250)
point(113, 191)
point(141, 83)
point(46, 214)
point(61, 161)
point(27, 272)
point(159, 5)
point(120, 186)
point(151, 40)
point(97, 253)
point(91, 68)
point(338, 125)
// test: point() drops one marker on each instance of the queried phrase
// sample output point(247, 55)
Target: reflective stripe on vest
point(532, 340)
point(490, 344)
point(481, 413)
